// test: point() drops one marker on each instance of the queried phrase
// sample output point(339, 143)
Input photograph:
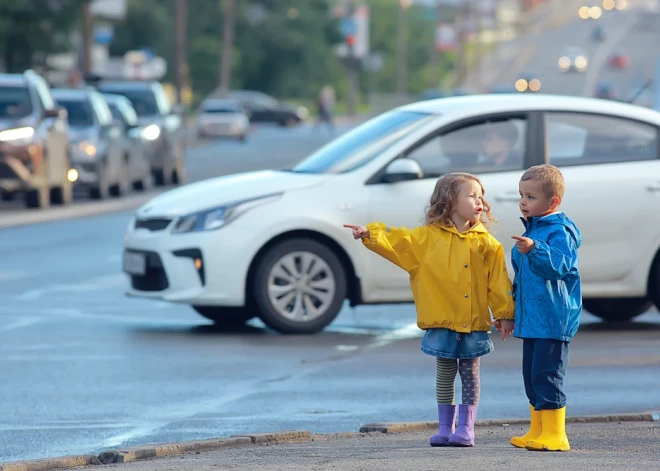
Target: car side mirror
point(402, 170)
point(57, 112)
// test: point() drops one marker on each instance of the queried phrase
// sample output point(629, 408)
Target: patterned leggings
point(446, 375)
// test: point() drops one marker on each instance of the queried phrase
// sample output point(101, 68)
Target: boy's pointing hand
point(524, 244)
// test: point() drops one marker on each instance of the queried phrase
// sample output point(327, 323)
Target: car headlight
point(215, 218)
point(151, 132)
point(86, 147)
point(18, 136)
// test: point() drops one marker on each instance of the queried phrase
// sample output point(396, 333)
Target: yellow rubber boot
point(553, 432)
point(533, 432)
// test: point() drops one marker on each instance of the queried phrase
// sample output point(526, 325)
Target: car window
point(116, 114)
point(481, 147)
point(585, 139)
point(45, 96)
point(143, 101)
point(364, 143)
point(129, 115)
point(79, 112)
point(15, 102)
point(101, 108)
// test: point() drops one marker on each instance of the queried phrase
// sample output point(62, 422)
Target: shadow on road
point(619, 327)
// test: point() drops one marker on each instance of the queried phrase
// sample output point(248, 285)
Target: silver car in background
point(96, 143)
point(222, 117)
point(136, 146)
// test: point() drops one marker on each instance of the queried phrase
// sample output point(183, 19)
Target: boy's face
point(533, 202)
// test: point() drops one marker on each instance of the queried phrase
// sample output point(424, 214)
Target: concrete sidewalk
point(627, 442)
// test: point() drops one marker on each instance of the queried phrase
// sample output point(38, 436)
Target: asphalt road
point(83, 368)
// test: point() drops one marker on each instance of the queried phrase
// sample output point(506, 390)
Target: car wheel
point(38, 198)
point(123, 186)
point(299, 287)
point(654, 282)
point(617, 309)
point(159, 177)
point(145, 183)
point(225, 316)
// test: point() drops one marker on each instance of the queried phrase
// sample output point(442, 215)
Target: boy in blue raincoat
point(548, 298)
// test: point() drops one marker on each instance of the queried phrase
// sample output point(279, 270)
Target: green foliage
point(31, 29)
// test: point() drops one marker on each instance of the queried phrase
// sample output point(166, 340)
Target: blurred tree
point(32, 29)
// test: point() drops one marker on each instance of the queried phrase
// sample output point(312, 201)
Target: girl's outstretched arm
point(403, 247)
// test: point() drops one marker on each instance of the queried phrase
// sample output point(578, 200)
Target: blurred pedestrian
point(457, 272)
point(325, 106)
point(548, 296)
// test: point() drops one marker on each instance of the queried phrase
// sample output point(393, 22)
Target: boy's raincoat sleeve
point(500, 296)
point(514, 264)
point(403, 247)
point(554, 259)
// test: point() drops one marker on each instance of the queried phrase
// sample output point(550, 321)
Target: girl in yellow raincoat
point(457, 272)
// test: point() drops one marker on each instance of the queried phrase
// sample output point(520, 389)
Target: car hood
point(225, 190)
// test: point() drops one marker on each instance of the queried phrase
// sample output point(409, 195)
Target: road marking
point(13, 275)
point(22, 322)
point(409, 331)
point(95, 284)
point(599, 59)
point(511, 73)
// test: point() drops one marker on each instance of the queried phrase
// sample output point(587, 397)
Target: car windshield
point(364, 143)
point(143, 101)
point(15, 102)
point(79, 112)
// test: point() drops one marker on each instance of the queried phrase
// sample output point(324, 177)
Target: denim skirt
point(445, 343)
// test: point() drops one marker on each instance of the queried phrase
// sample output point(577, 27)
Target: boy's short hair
point(552, 181)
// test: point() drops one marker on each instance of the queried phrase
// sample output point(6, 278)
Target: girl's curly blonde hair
point(443, 199)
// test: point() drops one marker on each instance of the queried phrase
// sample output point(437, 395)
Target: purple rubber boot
point(446, 421)
point(464, 435)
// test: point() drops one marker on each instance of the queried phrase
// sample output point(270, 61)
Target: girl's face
point(469, 202)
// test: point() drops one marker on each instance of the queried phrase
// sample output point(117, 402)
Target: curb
point(140, 453)
point(400, 427)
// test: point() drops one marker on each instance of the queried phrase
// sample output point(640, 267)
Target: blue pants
point(544, 366)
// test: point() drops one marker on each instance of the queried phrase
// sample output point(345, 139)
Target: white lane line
point(21, 323)
point(409, 331)
point(95, 284)
point(600, 57)
point(13, 275)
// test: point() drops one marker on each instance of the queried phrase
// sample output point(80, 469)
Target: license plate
point(135, 263)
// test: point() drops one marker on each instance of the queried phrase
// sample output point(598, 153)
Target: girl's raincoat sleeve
point(403, 247)
point(500, 293)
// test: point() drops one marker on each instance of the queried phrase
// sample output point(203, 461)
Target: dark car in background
point(162, 126)
point(262, 108)
point(136, 147)
point(34, 142)
point(606, 91)
point(96, 143)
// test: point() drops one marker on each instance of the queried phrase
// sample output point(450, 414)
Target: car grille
point(153, 224)
point(155, 278)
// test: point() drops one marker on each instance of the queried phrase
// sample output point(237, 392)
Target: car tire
point(224, 316)
point(302, 274)
point(617, 309)
point(654, 282)
point(123, 186)
point(38, 198)
point(159, 177)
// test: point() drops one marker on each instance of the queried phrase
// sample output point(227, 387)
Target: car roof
point(13, 80)
point(125, 85)
point(114, 98)
point(516, 102)
point(221, 102)
point(71, 93)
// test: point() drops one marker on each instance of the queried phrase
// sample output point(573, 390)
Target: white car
point(271, 243)
point(222, 117)
point(573, 59)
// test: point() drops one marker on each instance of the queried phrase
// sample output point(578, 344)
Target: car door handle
point(507, 198)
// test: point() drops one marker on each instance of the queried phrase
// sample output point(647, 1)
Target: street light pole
point(180, 61)
point(86, 36)
point(227, 45)
point(401, 50)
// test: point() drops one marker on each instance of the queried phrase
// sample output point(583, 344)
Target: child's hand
point(359, 232)
point(504, 327)
point(524, 244)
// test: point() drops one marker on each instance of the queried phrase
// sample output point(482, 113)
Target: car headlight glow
point(17, 136)
point(87, 148)
point(151, 132)
point(215, 218)
point(564, 63)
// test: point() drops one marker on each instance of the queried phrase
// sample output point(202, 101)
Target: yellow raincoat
point(455, 277)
